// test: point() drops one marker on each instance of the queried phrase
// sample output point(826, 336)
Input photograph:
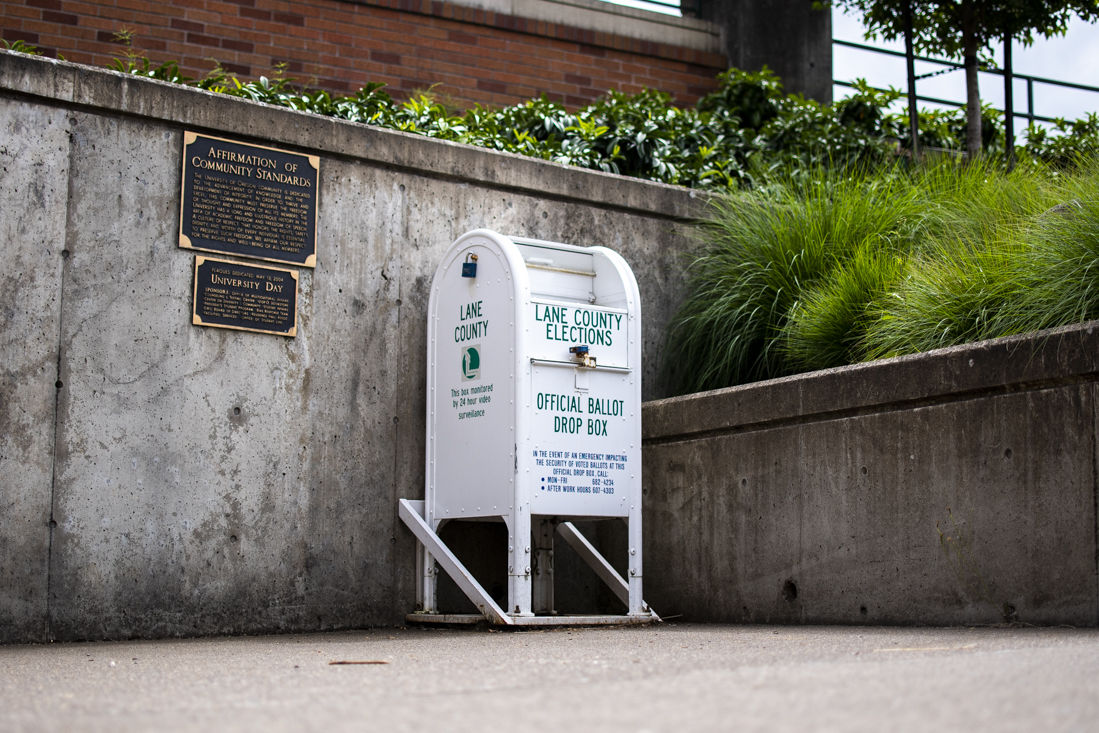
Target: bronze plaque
point(245, 297)
point(248, 200)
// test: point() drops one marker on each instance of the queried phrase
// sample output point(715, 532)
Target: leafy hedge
point(743, 135)
point(737, 136)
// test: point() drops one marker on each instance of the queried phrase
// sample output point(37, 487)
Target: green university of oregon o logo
point(471, 362)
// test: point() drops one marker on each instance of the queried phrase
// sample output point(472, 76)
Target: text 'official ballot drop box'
point(533, 417)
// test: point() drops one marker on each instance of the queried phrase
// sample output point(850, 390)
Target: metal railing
point(1030, 115)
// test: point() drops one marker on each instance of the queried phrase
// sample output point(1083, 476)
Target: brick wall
point(472, 55)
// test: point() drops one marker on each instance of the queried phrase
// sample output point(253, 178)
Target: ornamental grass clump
point(764, 252)
point(827, 325)
point(1061, 263)
point(965, 280)
point(949, 295)
point(845, 268)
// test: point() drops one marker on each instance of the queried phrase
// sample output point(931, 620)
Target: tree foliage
point(941, 26)
point(968, 28)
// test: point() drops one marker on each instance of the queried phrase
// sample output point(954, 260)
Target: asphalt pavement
point(668, 677)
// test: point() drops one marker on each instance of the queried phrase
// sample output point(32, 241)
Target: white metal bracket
point(602, 568)
point(412, 514)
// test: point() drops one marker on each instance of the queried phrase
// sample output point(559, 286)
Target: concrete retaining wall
point(158, 478)
point(957, 487)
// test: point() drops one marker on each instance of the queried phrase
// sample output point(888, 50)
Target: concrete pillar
point(789, 36)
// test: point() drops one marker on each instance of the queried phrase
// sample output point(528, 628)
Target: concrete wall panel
point(34, 161)
point(975, 505)
point(210, 480)
point(214, 481)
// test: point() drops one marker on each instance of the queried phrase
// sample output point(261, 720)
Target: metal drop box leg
point(522, 587)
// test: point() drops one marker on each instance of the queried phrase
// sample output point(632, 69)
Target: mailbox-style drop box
point(533, 417)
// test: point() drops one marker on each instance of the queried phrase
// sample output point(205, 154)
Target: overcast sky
point(1073, 57)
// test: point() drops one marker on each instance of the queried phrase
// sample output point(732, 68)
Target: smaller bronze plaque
point(245, 297)
point(248, 200)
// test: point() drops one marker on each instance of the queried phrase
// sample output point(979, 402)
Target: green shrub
point(944, 130)
point(20, 47)
point(746, 133)
point(749, 98)
point(1075, 141)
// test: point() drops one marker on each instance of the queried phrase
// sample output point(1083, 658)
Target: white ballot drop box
point(533, 417)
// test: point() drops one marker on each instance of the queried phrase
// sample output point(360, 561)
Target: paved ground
point(665, 678)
